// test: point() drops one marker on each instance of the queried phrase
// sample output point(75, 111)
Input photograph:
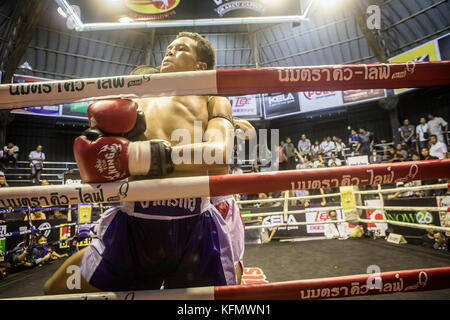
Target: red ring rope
point(340, 287)
point(229, 82)
point(205, 186)
point(329, 177)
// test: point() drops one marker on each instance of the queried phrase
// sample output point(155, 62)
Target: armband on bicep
point(223, 116)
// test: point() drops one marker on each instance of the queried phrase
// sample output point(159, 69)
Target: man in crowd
point(435, 126)
point(334, 160)
point(289, 152)
point(422, 133)
point(134, 249)
point(407, 133)
point(10, 155)
point(304, 145)
point(336, 230)
point(327, 146)
point(365, 142)
point(437, 148)
point(36, 158)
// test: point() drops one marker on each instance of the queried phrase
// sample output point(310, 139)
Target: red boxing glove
point(114, 158)
point(101, 160)
point(117, 117)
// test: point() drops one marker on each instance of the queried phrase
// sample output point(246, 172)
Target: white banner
point(244, 105)
point(315, 100)
point(319, 215)
point(358, 161)
point(378, 228)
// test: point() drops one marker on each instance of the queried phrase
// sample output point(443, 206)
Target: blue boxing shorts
point(180, 243)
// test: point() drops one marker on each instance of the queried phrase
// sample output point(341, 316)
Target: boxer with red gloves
point(178, 243)
point(106, 151)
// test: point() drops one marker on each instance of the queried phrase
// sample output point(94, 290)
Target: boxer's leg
point(64, 279)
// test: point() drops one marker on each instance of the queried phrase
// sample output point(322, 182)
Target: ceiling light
point(61, 12)
point(125, 20)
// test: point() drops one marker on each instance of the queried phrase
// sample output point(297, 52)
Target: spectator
point(25, 259)
point(353, 139)
point(440, 242)
point(327, 146)
point(42, 253)
point(36, 158)
point(255, 167)
point(3, 183)
point(237, 170)
point(262, 204)
point(264, 233)
point(422, 133)
point(401, 152)
point(304, 162)
point(304, 145)
point(426, 154)
point(409, 193)
point(428, 238)
point(10, 155)
point(415, 157)
point(319, 163)
point(57, 215)
point(281, 157)
point(437, 149)
point(435, 125)
point(375, 157)
point(289, 152)
point(302, 193)
point(340, 146)
point(320, 191)
point(315, 150)
point(334, 160)
point(336, 230)
point(44, 182)
point(407, 133)
point(36, 215)
point(393, 155)
point(365, 142)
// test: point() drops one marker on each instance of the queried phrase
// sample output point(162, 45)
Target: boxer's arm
point(218, 140)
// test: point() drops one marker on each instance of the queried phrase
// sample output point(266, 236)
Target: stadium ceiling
point(36, 40)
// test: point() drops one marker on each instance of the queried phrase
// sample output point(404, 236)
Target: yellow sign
point(84, 213)
point(151, 6)
point(84, 243)
point(348, 199)
point(64, 233)
point(424, 53)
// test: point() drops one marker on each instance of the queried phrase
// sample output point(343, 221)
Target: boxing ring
point(235, 82)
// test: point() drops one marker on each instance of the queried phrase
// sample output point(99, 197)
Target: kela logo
point(151, 6)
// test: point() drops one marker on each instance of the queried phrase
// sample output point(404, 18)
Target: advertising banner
point(378, 228)
point(280, 105)
point(246, 106)
point(353, 96)
point(421, 217)
point(424, 53)
point(358, 161)
point(182, 9)
point(444, 46)
point(317, 100)
point(53, 111)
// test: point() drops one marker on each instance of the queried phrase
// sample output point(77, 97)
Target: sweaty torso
point(164, 115)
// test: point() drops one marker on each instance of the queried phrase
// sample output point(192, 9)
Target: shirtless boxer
point(226, 205)
point(178, 242)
